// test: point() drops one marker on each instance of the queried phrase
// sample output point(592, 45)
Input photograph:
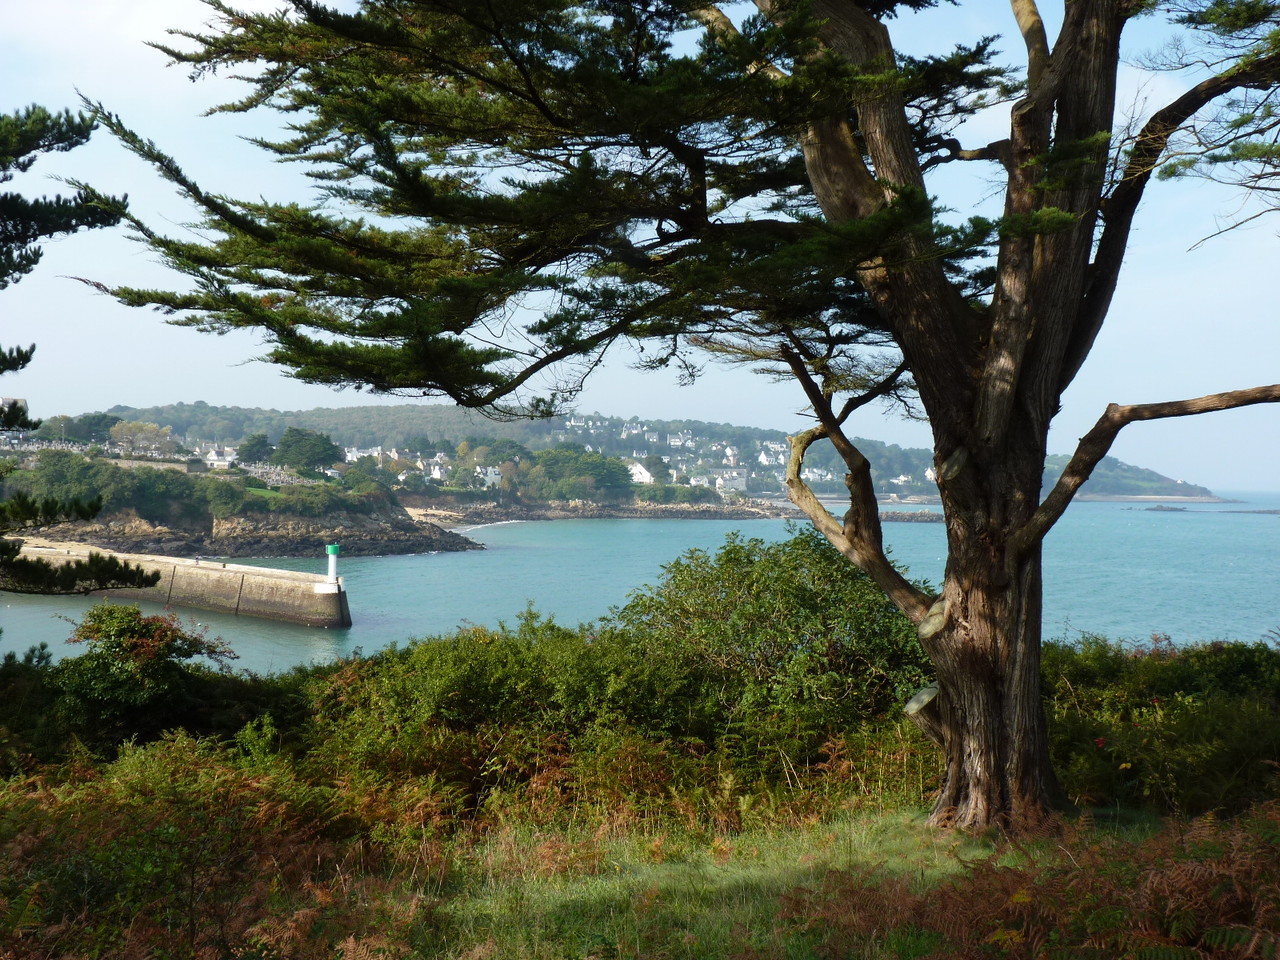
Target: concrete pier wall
point(289, 595)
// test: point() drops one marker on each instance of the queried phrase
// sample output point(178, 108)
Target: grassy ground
point(540, 894)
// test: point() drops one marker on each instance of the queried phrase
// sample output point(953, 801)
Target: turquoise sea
point(1207, 572)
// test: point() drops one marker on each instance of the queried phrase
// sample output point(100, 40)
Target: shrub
point(1167, 728)
point(744, 665)
point(796, 635)
point(135, 673)
point(184, 849)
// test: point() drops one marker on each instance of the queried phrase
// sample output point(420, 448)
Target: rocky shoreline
point(911, 516)
point(262, 535)
point(480, 514)
point(392, 531)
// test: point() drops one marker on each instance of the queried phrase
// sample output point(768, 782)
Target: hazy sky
point(1185, 321)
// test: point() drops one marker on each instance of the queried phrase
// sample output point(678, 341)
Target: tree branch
point(1097, 442)
point(997, 150)
point(719, 25)
point(1034, 36)
point(1119, 209)
point(880, 390)
point(860, 536)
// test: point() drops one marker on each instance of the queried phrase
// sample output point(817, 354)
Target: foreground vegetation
point(718, 770)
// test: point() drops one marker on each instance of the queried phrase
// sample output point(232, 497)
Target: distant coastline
point(432, 527)
point(472, 515)
point(1115, 498)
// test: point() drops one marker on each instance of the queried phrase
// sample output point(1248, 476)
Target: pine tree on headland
point(23, 137)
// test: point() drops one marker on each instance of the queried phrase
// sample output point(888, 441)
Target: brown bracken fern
point(1205, 889)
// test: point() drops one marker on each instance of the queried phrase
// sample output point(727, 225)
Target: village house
point(220, 458)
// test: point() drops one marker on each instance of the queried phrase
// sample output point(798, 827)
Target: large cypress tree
point(24, 136)
point(508, 189)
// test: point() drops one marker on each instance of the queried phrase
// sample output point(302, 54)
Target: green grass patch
point(261, 493)
point(528, 893)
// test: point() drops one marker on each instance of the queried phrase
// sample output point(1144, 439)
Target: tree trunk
point(983, 635)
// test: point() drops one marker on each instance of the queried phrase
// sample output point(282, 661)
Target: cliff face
point(266, 535)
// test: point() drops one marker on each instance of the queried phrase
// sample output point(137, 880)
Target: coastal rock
point(266, 535)
point(911, 516)
point(360, 535)
point(585, 510)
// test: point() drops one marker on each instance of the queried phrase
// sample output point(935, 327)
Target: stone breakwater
point(287, 595)
point(266, 535)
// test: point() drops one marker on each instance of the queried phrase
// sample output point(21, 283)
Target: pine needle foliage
point(25, 136)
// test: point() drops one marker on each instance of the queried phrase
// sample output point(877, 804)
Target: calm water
point(1112, 568)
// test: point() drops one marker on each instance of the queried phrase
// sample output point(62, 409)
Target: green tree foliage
point(154, 493)
point(134, 671)
point(24, 137)
point(365, 477)
point(509, 190)
point(146, 438)
point(657, 468)
point(255, 449)
point(226, 498)
point(491, 453)
point(89, 428)
point(13, 415)
point(419, 444)
point(568, 471)
point(170, 497)
point(306, 450)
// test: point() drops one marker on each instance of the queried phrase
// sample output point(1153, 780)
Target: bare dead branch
point(1097, 442)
